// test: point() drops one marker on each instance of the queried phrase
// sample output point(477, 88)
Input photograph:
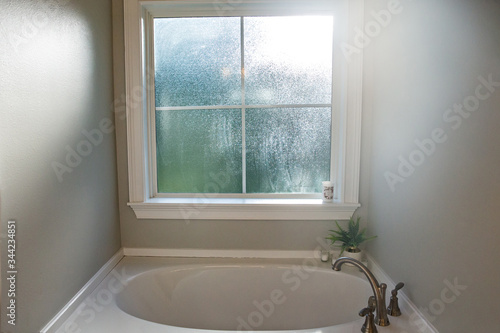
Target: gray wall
point(56, 81)
point(442, 221)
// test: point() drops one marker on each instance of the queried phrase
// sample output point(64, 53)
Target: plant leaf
point(350, 237)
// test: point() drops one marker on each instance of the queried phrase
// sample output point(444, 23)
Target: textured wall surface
point(57, 150)
point(431, 173)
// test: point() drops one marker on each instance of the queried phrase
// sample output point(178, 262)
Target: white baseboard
point(200, 253)
point(56, 322)
point(424, 326)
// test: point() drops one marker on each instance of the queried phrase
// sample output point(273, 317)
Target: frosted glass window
point(199, 151)
point(288, 150)
point(197, 61)
point(243, 104)
point(288, 60)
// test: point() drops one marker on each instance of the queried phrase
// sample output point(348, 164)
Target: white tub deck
point(111, 306)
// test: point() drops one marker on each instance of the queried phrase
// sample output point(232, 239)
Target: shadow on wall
point(56, 65)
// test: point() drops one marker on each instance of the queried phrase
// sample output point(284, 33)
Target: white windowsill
point(241, 209)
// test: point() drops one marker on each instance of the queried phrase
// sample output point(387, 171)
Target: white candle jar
point(328, 191)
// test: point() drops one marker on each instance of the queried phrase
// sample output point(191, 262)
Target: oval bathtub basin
point(245, 297)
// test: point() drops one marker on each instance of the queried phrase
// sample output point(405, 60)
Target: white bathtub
point(207, 295)
point(245, 297)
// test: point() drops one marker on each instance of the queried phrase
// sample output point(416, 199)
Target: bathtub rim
point(124, 255)
point(185, 266)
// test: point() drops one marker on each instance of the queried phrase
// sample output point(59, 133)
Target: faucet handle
point(393, 308)
point(400, 285)
point(369, 325)
point(372, 303)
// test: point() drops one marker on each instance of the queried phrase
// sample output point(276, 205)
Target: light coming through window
point(248, 97)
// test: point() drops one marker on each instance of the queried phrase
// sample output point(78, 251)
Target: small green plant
point(350, 238)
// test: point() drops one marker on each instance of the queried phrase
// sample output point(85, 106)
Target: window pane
point(288, 60)
point(199, 151)
point(288, 150)
point(197, 61)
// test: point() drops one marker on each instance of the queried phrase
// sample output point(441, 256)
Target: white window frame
point(346, 114)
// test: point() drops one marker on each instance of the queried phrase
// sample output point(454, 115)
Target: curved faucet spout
point(378, 289)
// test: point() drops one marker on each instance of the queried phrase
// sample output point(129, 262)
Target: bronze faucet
point(369, 325)
point(378, 289)
point(393, 308)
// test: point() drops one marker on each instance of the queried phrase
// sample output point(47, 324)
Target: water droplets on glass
point(288, 150)
point(288, 60)
point(198, 63)
point(199, 151)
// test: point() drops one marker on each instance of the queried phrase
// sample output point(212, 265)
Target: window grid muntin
point(243, 107)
